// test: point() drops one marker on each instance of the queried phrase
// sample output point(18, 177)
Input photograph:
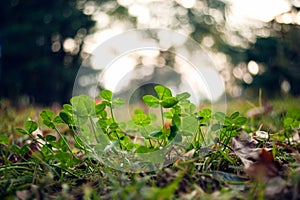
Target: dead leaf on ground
point(264, 167)
point(255, 112)
point(259, 164)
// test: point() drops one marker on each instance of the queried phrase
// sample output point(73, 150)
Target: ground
point(255, 155)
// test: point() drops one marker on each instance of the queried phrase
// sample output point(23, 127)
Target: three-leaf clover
point(165, 98)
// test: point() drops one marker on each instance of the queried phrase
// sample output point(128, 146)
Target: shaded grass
point(216, 175)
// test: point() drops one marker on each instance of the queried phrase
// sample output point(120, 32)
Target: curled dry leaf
point(185, 157)
point(262, 134)
point(264, 168)
point(23, 194)
point(258, 163)
point(265, 109)
point(295, 138)
point(244, 147)
point(259, 134)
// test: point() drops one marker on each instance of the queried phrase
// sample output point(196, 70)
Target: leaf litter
point(259, 164)
point(242, 163)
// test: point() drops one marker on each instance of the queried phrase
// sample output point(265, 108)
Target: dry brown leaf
point(23, 194)
point(261, 134)
point(265, 109)
point(264, 168)
point(187, 156)
point(244, 147)
point(259, 164)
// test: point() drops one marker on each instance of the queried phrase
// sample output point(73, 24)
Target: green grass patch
point(178, 152)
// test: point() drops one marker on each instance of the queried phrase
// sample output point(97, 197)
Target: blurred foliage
point(43, 159)
point(280, 55)
point(41, 47)
point(34, 62)
point(42, 43)
point(210, 21)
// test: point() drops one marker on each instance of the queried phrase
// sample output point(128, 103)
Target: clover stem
point(65, 141)
point(162, 116)
point(94, 129)
point(111, 112)
point(200, 135)
point(120, 144)
point(162, 121)
point(145, 132)
point(227, 139)
point(150, 143)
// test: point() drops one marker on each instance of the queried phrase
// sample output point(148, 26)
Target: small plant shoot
point(176, 144)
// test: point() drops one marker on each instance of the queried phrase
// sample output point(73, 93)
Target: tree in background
point(279, 57)
point(203, 20)
point(41, 42)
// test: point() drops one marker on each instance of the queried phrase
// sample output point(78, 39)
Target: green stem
point(143, 128)
point(227, 140)
point(162, 122)
point(34, 174)
point(201, 136)
point(38, 142)
point(76, 137)
point(94, 129)
point(65, 141)
point(150, 143)
point(113, 118)
point(260, 97)
point(120, 144)
point(111, 112)
point(160, 142)
point(4, 168)
point(162, 116)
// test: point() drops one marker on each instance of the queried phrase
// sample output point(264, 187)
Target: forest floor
point(254, 155)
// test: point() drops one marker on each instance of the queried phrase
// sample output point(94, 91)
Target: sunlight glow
point(247, 78)
point(253, 67)
point(264, 10)
point(292, 17)
point(245, 16)
point(89, 8)
point(206, 77)
point(238, 72)
point(69, 45)
point(187, 3)
point(56, 46)
point(102, 19)
point(141, 12)
point(166, 40)
point(208, 41)
point(117, 71)
point(125, 2)
point(285, 86)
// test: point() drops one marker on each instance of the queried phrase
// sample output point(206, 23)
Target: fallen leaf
point(23, 194)
point(259, 164)
point(261, 134)
point(275, 186)
point(244, 147)
point(185, 157)
point(295, 136)
point(264, 168)
point(266, 108)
